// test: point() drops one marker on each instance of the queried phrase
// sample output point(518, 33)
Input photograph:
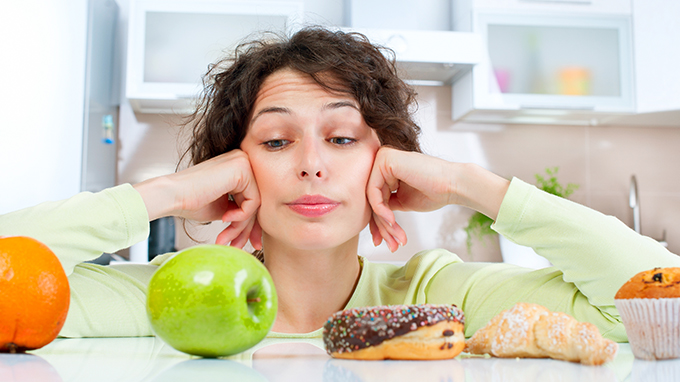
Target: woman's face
point(311, 152)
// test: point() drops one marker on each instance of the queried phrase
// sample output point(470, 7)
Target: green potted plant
point(479, 225)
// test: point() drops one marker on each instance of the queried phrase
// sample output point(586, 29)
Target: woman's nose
point(305, 173)
point(311, 162)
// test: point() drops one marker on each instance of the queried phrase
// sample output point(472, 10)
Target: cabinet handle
point(560, 107)
point(558, 1)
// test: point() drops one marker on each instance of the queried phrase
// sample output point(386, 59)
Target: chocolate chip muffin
point(654, 283)
point(649, 304)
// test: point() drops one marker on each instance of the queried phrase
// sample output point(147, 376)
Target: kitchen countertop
point(150, 359)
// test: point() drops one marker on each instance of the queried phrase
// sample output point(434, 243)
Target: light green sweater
point(592, 254)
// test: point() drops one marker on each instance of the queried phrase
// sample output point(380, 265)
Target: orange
point(34, 294)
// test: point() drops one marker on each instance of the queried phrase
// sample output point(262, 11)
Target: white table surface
point(149, 359)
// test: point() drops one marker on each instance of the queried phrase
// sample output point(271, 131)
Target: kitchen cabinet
point(462, 9)
point(546, 62)
point(548, 68)
point(657, 54)
point(171, 44)
point(430, 58)
point(657, 59)
point(426, 50)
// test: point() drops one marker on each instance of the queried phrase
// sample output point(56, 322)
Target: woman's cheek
point(267, 220)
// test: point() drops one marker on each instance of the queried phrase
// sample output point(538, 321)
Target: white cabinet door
point(657, 54)
point(462, 9)
point(171, 44)
point(570, 6)
point(548, 69)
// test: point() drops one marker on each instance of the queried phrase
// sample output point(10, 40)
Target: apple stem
point(257, 299)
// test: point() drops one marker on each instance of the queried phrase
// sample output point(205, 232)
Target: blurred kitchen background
point(92, 95)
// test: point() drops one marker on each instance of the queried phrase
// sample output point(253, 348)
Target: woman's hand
point(202, 193)
point(410, 181)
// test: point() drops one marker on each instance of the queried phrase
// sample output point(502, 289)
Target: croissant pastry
point(532, 331)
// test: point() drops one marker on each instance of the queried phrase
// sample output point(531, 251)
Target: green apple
point(211, 301)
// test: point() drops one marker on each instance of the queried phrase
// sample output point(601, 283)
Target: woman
point(302, 142)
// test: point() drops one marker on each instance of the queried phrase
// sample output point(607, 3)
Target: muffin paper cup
point(652, 325)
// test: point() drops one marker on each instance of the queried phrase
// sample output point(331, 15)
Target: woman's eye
point(276, 143)
point(342, 140)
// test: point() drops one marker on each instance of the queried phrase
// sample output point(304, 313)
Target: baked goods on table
point(415, 332)
point(649, 304)
point(532, 331)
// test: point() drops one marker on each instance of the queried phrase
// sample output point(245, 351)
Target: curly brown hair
point(338, 61)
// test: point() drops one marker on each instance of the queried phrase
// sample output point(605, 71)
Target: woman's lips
point(313, 205)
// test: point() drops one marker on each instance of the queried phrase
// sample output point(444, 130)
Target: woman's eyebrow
point(285, 110)
point(339, 104)
point(271, 109)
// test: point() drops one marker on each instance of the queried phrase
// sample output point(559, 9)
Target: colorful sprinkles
point(354, 329)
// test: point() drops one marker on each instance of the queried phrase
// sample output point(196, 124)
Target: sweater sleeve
point(593, 255)
point(106, 301)
point(597, 253)
point(84, 226)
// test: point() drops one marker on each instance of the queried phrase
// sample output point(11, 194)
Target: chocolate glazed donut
point(396, 332)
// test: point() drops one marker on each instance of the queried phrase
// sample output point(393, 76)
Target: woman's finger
point(398, 233)
point(256, 236)
point(247, 198)
point(375, 233)
point(378, 192)
point(242, 238)
point(240, 212)
point(394, 231)
point(232, 232)
point(227, 234)
point(382, 225)
point(230, 211)
point(374, 194)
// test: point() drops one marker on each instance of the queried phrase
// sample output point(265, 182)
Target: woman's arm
point(593, 254)
point(80, 228)
point(222, 188)
point(410, 181)
point(105, 300)
point(596, 252)
point(110, 301)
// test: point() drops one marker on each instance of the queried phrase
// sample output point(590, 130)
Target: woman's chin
point(329, 234)
point(320, 244)
point(315, 241)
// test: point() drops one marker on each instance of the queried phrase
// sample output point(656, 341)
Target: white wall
point(42, 74)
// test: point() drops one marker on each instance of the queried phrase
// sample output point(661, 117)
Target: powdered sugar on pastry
point(532, 331)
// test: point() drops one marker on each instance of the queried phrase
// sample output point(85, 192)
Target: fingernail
point(385, 218)
point(387, 221)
